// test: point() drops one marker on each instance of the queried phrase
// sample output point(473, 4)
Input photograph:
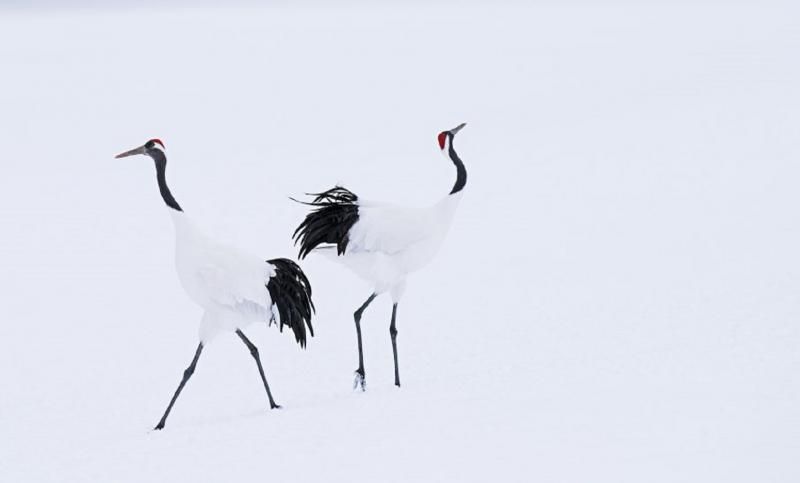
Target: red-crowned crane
point(234, 288)
point(379, 242)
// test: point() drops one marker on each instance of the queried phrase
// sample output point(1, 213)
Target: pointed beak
point(132, 152)
point(457, 128)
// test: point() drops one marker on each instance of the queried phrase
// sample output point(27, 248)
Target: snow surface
point(616, 301)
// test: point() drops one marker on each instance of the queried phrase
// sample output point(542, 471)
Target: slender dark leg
point(360, 379)
point(254, 353)
point(186, 375)
point(393, 332)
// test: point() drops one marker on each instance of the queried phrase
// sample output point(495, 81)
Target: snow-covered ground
point(618, 299)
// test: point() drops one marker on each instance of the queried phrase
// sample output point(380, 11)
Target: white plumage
point(389, 242)
point(228, 283)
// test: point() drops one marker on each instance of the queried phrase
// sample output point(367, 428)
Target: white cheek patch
point(159, 147)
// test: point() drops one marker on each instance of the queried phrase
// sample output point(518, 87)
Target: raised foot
point(360, 380)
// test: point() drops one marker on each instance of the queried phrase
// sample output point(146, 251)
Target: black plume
point(290, 291)
point(336, 211)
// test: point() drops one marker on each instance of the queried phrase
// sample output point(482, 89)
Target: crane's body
point(227, 283)
point(233, 287)
point(381, 243)
point(389, 242)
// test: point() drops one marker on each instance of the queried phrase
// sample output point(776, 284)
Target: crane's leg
point(393, 332)
point(186, 375)
point(361, 379)
point(254, 353)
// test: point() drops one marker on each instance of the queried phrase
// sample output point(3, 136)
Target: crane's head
point(148, 148)
point(446, 137)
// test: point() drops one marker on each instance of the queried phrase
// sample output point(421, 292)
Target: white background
point(617, 299)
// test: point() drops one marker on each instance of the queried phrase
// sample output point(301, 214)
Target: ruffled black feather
point(290, 291)
point(336, 211)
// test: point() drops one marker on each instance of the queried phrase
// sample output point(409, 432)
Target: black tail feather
point(290, 291)
point(336, 211)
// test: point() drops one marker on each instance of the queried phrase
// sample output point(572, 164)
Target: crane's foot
point(159, 426)
point(360, 380)
point(275, 406)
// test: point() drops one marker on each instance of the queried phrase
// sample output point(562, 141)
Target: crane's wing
point(340, 218)
point(389, 229)
point(236, 280)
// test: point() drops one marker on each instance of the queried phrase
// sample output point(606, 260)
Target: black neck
point(161, 168)
point(461, 171)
